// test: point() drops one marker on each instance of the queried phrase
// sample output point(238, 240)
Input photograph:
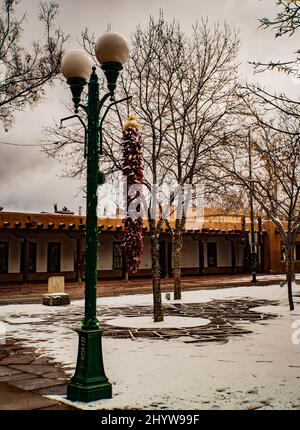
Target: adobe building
point(34, 246)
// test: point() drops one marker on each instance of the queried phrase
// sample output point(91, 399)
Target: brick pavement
point(32, 293)
point(24, 379)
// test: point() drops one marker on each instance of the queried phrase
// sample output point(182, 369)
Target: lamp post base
point(88, 393)
point(89, 382)
point(253, 280)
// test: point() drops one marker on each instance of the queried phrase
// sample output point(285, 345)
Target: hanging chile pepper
point(133, 170)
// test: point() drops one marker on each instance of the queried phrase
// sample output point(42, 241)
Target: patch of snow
point(261, 369)
point(272, 292)
point(20, 320)
point(254, 369)
point(276, 310)
point(168, 322)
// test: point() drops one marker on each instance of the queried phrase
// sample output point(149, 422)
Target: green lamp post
point(253, 254)
point(89, 382)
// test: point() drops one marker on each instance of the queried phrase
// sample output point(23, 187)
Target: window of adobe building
point(117, 256)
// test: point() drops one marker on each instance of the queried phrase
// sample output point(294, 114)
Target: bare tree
point(25, 71)
point(146, 78)
point(286, 22)
point(275, 181)
point(199, 107)
point(151, 77)
point(182, 90)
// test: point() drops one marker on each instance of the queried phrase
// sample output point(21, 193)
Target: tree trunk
point(157, 304)
point(177, 243)
point(290, 269)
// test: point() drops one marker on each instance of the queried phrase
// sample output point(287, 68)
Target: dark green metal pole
point(90, 321)
point(90, 382)
point(253, 250)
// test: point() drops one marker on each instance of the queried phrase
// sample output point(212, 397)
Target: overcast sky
point(29, 181)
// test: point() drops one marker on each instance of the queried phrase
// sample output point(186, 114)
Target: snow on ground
point(259, 370)
point(168, 322)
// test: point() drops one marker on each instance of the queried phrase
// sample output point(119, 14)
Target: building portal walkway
point(32, 293)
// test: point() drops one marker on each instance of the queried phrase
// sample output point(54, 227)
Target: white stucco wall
point(190, 253)
point(239, 254)
point(68, 249)
point(190, 257)
point(146, 257)
point(224, 253)
point(41, 258)
point(105, 252)
point(68, 253)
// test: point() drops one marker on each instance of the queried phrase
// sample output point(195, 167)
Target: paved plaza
point(240, 355)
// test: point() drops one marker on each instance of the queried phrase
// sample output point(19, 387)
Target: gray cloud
point(28, 180)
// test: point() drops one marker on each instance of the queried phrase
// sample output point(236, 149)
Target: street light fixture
point(89, 382)
point(253, 254)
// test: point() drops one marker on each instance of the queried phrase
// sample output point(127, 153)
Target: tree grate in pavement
point(228, 317)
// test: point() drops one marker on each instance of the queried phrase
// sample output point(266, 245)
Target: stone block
point(61, 299)
point(56, 284)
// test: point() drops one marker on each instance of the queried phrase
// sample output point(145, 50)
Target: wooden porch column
point(201, 257)
point(233, 259)
point(166, 260)
point(26, 260)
